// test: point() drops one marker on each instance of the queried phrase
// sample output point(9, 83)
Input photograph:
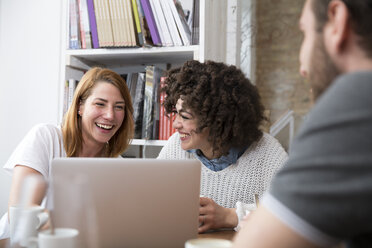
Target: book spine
point(132, 31)
point(114, 23)
point(84, 25)
point(74, 25)
point(182, 26)
point(147, 40)
point(138, 103)
point(162, 116)
point(81, 22)
point(65, 98)
point(107, 23)
point(151, 22)
point(171, 23)
point(100, 24)
point(122, 23)
point(137, 22)
point(195, 22)
point(147, 125)
point(71, 90)
point(161, 28)
point(92, 24)
point(125, 23)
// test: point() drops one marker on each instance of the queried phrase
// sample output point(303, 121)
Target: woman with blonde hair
point(98, 123)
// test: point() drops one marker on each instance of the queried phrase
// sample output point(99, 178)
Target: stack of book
point(69, 90)
point(130, 23)
point(150, 119)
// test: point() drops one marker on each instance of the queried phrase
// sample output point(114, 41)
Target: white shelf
point(212, 45)
point(119, 57)
point(141, 142)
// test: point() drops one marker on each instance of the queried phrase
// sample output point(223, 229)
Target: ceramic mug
point(61, 238)
point(208, 243)
point(25, 222)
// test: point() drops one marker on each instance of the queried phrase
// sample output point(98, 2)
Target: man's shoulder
point(347, 99)
point(349, 89)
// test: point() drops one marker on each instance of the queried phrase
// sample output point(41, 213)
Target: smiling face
point(186, 124)
point(102, 114)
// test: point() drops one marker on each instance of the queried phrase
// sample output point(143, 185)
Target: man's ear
point(337, 29)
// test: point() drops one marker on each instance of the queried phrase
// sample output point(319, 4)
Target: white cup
point(25, 222)
point(208, 243)
point(62, 238)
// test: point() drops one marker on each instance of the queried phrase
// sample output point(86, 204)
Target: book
point(114, 19)
point(147, 10)
point(98, 11)
point(124, 25)
point(138, 29)
point(133, 85)
point(74, 35)
point(171, 23)
point(86, 42)
point(195, 23)
point(147, 40)
point(138, 102)
point(162, 115)
point(148, 107)
point(71, 90)
point(179, 17)
point(109, 42)
point(130, 20)
point(157, 74)
point(92, 24)
point(166, 39)
point(65, 97)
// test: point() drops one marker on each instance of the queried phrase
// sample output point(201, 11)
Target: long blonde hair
point(71, 127)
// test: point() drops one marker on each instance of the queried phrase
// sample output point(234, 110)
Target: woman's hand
point(213, 216)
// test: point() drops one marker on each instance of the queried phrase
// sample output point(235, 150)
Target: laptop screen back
point(117, 202)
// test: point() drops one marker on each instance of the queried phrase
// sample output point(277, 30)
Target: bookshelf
point(212, 45)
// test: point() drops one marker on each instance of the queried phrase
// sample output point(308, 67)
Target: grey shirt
point(324, 191)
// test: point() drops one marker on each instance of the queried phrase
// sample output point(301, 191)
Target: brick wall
point(277, 44)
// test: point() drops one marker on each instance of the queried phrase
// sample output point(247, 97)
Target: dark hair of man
point(360, 19)
point(222, 100)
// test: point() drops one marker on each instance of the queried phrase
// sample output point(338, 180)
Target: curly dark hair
point(221, 98)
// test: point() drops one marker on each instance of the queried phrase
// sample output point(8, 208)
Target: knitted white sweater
point(236, 185)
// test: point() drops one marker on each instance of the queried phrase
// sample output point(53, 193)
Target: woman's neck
point(92, 150)
point(209, 154)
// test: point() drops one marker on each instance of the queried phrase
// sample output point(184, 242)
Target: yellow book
point(137, 22)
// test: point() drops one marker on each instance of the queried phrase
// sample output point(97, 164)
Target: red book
point(162, 111)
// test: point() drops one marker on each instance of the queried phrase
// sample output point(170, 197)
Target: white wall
point(29, 73)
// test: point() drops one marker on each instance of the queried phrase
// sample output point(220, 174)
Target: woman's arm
point(34, 193)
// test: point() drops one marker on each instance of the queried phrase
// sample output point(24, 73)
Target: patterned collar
point(218, 164)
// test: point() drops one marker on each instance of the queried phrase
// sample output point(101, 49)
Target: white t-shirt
point(38, 148)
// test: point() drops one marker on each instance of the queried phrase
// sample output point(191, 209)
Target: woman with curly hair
point(218, 114)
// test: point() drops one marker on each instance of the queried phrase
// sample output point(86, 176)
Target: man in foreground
point(323, 194)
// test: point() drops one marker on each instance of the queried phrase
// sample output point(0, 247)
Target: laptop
point(117, 202)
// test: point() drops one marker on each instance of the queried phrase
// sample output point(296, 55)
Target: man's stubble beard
point(322, 69)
